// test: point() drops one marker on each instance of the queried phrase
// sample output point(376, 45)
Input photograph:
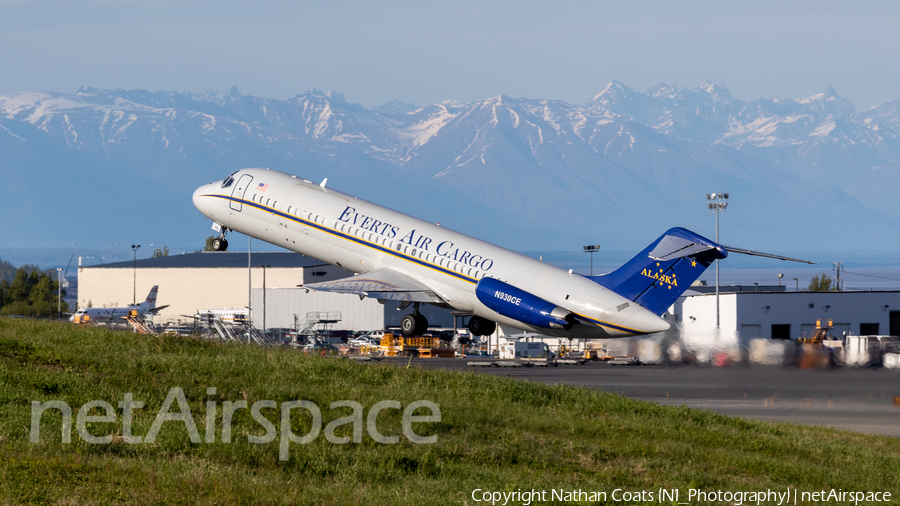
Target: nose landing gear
point(219, 243)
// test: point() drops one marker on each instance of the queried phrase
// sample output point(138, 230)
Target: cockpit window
point(228, 180)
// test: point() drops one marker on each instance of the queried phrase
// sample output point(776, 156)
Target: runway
point(861, 400)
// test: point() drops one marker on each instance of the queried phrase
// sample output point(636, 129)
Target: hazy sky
point(424, 52)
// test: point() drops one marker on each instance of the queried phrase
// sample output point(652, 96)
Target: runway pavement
point(861, 400)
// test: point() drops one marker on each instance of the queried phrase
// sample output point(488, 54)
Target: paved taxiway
point(854, 399)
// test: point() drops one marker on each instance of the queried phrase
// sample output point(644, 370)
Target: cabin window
point(289, 210)
point(267, 201)
point(274, 203)
point(414, 252)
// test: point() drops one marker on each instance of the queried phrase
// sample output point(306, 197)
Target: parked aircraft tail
point(150, 303)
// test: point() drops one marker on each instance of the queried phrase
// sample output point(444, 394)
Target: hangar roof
point(215, 259)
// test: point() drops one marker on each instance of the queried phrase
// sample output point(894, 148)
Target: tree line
point(27, 291)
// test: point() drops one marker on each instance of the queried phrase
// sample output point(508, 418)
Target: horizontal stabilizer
point(157, 309)
point(742, 251)
point(384, 284)
point(673, 246)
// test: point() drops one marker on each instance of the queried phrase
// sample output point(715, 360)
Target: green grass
point(495, 434)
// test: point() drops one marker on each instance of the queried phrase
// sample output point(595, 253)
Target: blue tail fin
point(657, 276)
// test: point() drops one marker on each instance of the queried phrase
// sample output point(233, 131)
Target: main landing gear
point(479, 326)
point(414, 324)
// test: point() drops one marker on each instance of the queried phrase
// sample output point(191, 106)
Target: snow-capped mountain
point(102, 166)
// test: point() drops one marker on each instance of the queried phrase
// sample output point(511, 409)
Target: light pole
point(249, 284)
point(264, 298)
point(592, 248)
point(134, 272)
point(838, 265)
point(59, 293)
point(717, 203)
point(797, 280)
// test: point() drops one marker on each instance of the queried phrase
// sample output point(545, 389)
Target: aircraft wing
point(157, 309)
point(385, 284)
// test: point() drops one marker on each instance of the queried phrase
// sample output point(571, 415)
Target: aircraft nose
point(201, 200)
point(196, 197)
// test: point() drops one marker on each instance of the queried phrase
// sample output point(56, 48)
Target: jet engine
point(520, 305)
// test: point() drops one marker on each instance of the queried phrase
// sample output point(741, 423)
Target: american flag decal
point(262, 187)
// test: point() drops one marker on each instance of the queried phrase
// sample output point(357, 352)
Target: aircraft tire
point(217, 244)
point(421, 324)
point(224, 245)
point(479, 326)
point(408, 325)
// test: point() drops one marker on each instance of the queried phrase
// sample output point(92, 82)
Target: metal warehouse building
point(789, 315)
point(223, 280)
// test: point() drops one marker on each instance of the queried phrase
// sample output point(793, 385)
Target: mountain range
point(100, 167)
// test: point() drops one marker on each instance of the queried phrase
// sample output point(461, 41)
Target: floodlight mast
point(717, 203)
point(592, 248)
point(134, 248)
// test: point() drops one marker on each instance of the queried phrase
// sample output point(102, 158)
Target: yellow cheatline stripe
point(601, 323)
point(355, 239)
point(385, 249)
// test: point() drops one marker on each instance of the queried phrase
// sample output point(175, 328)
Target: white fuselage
point(106, 314)
point(360, 236)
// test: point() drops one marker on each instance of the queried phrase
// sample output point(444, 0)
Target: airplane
point(396, 256)
point(117, 314)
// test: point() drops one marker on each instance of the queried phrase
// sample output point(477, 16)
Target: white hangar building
point(223, 280)
point(787, 315)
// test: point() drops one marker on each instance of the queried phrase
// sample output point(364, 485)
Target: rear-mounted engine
point(520, 305)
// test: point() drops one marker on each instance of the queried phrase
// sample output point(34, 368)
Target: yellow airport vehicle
point(425, 346)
